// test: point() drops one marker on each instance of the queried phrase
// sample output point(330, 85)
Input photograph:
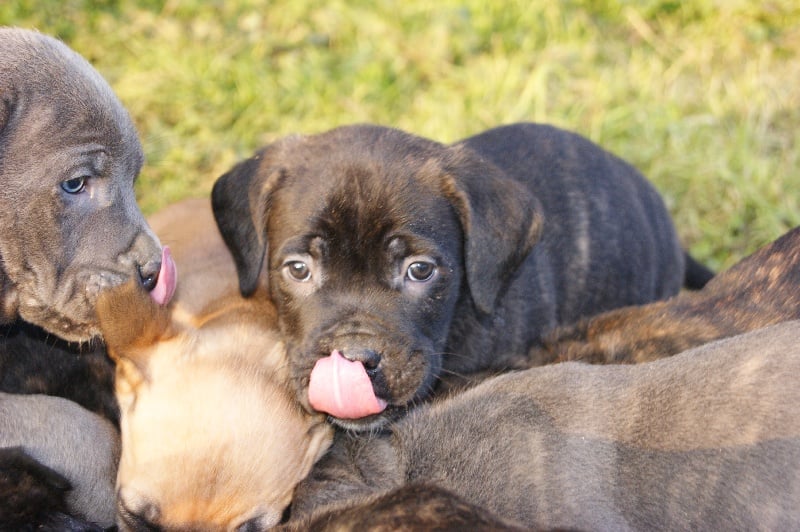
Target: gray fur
point(79, 445)
point(59, 120)
point(706, 440)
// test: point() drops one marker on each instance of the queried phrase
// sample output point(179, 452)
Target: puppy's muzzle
point(141, 520)
point(145, 520)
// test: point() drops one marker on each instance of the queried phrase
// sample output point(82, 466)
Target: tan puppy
point(212, 436)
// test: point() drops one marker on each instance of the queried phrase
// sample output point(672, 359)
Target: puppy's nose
point(141, 520)
point(368, 357)
point(257, 524)
point(148, 274)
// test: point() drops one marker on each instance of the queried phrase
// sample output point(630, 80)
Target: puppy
point(393, 259)
point(74, 451)
point(34, 362)
point(760, 290)
point(412, 507)
point(706, 440)
point(212, 437)
point(69, 155)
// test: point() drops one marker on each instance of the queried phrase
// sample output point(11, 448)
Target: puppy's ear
point(130, 319)
point(320, 439)
point(501, 221)
point(240, 200)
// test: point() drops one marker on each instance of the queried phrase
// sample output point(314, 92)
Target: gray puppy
point(69, 155)
point(76, 444)
point(69, 228)
point(706, 440)
point(394, 260)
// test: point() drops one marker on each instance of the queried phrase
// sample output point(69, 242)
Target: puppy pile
point(374, 330)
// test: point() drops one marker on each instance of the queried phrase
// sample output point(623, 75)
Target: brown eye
point(298, 270)
point(420, 271)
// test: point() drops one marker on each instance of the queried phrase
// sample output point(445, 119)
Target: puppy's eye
point(421, 271)
point(76, 185)
point(298, 270)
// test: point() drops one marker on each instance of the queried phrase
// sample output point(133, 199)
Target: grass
point(702, 96)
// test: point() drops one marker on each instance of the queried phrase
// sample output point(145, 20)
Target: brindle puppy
point(413, 507)
point(35, 362)
point(394, 259)
point(759, 290)
point(706, 440)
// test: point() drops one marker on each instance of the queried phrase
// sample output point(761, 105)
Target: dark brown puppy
point(706, 440)
point(760, 290)
point(398, 252)
point(32, 361)
point(413, 507)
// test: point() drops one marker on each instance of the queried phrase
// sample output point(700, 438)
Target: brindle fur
point(760, 290)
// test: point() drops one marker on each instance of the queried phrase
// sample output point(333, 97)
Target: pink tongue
point(167, 279)
point(342, 388)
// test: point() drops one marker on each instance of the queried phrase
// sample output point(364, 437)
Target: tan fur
point(212, 435)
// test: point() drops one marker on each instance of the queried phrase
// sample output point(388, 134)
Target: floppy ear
point(501, 221)
point(130, 319)
point(240, 200)
point(321, 437)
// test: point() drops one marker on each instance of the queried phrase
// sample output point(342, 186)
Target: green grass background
point(702, 96)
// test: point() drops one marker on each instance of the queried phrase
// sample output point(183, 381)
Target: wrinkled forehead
point(361, 200)
point(64, 99)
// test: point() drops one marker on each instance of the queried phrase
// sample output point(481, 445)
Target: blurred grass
point(702, 96)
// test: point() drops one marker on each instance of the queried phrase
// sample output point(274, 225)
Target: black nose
point(256, 524)
point(148, 274)
point(142, 520)
point(371, 359)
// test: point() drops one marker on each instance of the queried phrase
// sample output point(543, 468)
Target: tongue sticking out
point(342, 388)
point(167, 279)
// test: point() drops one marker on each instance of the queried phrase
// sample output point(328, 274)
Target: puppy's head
point(212, 437)
point(69, 155)
point(374, 240)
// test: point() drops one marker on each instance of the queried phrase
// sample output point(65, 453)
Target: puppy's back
point(707, 439)
point(710, 436)
point(55, 432)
